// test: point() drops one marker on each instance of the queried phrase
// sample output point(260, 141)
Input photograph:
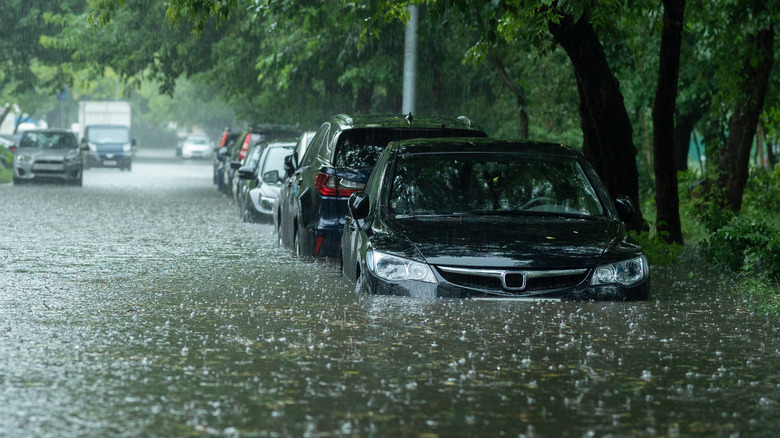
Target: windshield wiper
point(525, 213)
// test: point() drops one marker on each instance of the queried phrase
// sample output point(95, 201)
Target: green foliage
point(657, 250)
point(761, 290)
point(762, 195)
point(745, 245)
point(6, 165)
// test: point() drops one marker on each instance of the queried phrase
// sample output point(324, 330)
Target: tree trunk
point(6, 111)
point(735, 153)
point(607, 134)
point(518, 90)
point(666, 199)
point(363, 104)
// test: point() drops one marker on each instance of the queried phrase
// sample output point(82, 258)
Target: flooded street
point(141, 305)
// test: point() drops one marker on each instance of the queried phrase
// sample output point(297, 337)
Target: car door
point(289, 197)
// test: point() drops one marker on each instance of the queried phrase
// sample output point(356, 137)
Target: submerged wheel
point(360, 282)
point(297, 244)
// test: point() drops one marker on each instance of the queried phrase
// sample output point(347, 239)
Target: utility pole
point(410, 62)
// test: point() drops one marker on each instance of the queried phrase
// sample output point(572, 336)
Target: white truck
point(105, 128)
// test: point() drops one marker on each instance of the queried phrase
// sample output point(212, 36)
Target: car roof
point(346, 122)
point(459, 144)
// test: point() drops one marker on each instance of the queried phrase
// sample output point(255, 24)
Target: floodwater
point(140, 305)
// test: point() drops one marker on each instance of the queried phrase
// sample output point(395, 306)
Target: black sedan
point(485, 218)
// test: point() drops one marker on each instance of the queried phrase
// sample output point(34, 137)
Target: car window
point(254, 157)
point(318, 142)
point(448, 183)
point(274, 159)
point(48, 140)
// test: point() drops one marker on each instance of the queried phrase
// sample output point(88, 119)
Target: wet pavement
point(141, 305)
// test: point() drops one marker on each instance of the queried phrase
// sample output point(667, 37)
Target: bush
point(656, 249)
point(746, 245)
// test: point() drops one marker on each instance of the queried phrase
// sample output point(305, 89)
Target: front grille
point(48, 167)
point(516, 282)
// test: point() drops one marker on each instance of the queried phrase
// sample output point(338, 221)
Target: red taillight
point(318, 245)
point(244, 148)
point(12, 149)
point(224, 139)
point(329, 185)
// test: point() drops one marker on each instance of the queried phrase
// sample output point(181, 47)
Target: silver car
point(48, 154)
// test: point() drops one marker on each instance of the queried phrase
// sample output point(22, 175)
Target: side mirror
point(625, 208)
point(235, 165)
point(84, 147)
point(272, 177)
point(221, 154)
point(290, 164)
point(246, 172)
point(133, 142)
point(358, 205)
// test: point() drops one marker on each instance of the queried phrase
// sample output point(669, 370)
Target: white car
point(197, 146)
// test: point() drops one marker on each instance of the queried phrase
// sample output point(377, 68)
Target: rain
point(135, 301)
point(141, 305)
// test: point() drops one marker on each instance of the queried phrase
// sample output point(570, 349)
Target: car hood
point(48, 154)
point(538, 243)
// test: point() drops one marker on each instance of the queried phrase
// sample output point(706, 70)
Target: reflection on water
point(141, 305)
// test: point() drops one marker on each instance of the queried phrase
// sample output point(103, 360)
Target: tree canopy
point(587, 73)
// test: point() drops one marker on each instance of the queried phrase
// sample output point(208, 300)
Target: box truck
point(105, 128)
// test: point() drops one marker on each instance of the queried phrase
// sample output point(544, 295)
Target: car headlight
point(393, 268)
point(128, 147)
point(22, 158)
point(92, 147)
point(625, 273)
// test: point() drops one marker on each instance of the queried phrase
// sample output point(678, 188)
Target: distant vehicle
point(104, 127)
point(263, 181)
point(228, 138)
point(234, 157)
point(484, 218)
point(312, 204)
point(196, 146)
point(48, 154)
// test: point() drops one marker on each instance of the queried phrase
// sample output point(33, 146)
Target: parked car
point(252, 160)
point(49, 154)
point(486, 218)
point(310, 210)
point(196, 146)
point(234, 157)
point(228, 138)
point(263, 180)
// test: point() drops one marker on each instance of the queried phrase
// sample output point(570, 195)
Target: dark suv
point(309, 213)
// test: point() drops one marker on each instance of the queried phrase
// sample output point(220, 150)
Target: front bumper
point(48, 169)
point(109, 159)
point(445, 289)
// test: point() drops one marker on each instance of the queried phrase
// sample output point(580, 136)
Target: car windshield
point(254, 157)
point(197, 140)
point(275, 159)
point(491, 184)
point(48, 140)
point(359, 148)
point(105, 135)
